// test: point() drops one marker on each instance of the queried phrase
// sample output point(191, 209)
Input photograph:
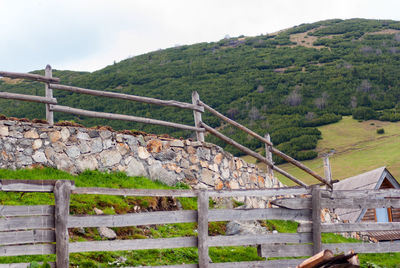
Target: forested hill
point(283, 83)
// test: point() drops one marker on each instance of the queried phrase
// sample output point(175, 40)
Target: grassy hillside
point(299, 78)
point(356, 148)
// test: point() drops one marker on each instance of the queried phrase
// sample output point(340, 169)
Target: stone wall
point(75, 149)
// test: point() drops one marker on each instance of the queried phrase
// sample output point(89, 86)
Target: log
point(273, 150)
point(109, 94)
point(23, 97)
point(250, 152)
point(197, 116)
point(27, 237)
point(282, 250)
point(258, 239)
point(361, 193)
point(26, 210)
point(65, 109)
point(49, 94)
point(268, 154)
point(62, 192)
point(317, 259)
point(134, 192)
point(34, 77)
point(135, 244)
point(258, 214)
point(22, 223)
point(359, 227)
point(133, 219)
point(23, 250)
point(202, 229)
point(316, 219)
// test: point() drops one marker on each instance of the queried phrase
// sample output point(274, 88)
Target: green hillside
point(285, 83)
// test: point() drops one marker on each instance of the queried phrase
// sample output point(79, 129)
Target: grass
point(357, 149)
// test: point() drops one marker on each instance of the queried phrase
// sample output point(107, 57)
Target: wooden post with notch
point(202, 228)
point(197, 116)
point(316, 219)
point(62, 192)
point(268, 155)
point(49, 94)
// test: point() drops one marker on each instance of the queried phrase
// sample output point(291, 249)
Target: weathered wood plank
point(115, 245)
point(23, 265)
point(69, 110)
point(381, 247)
point(133, 219)
point(259, 264)
point(62, 193)
point(26, 210)
point(293, 203)
point(39, 249)
point(134, 192)
point(268, 154)
point(34, 77)
point(250, 152)
point(282, 250)
point(122, 96)
point(273, 150)
point(259, 214)
point(32, 182)
point(197, 115)
point(202, 229)
point(360, 227)
point(243, 240)
point(361, 193)
point(371, 202)
point(22, 223)
point(27, 237)
point(30, 98)
point(193, 265)
point(261, 192)
point(316, 219)
point(12, 185)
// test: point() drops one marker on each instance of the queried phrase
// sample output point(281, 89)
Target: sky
point(87, 35)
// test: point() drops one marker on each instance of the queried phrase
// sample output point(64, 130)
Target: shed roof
point(370, 180)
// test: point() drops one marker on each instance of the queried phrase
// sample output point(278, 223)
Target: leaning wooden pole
point(202, 228)
point(251, 153)
point(316, 219)
point(273, 150)
point(197, 116)
point(62, 192)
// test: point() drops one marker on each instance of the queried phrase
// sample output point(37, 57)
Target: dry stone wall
point(75, 149)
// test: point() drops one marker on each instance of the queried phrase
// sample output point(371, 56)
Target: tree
point(294, 98)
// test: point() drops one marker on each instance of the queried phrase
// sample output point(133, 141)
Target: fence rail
point(32, 230)
point(198, 107)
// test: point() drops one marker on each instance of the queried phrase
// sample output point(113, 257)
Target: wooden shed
point(379, 178)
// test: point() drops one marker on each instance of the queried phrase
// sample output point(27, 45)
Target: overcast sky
point(88, 35)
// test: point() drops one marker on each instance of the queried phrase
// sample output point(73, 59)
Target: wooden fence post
point(316, 219)
point(327, 169)
point(49, 94)
point(62, 192)
point(268, 154)
point(197, 116)
point(202, 228)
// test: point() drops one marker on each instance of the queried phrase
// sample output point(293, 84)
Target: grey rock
point(141, 140)
point(96, 145)
point(73, 151)
point(105, 134)
point(207, 177)
point(204, 153)
point(65, 134)
point(108, 144)
point(143, 153)
point(165, 156)
point(63, 162)
point(88, 162)
point(82, 136)
point(93, 134)
point(39, 157)
point(107, 233)
point(176, 143)
point(244, 227)
point(3, 131)
point(84, 147)
point(135, 168)
point(25, 142)
point(23, 160)
point(157, 172)
point(110, 158)
point(28, 151)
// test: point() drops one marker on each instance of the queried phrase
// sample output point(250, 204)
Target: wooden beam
point(202, 228)
point(22, 223)
point(316, 219)
point(259, 214)
point(359, 227)
point(258, 264)
point(268, 154)
point(27, 237)
point(250, 152)
point(31, 98)
point(65, 109)
point(23, 250)
point(381, 247)
point(37, 210)
point(109, 94)
point(197, 115)
point(135, 244)
point(261, 192)
point(273, 150)
point(34, 77)
point(134, 192)
point(258, 239)
point(62, 192)
point(49, 94)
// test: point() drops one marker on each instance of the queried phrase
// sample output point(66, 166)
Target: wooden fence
point(32, 230)
point(197, 106)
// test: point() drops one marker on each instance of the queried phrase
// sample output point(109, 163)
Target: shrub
point(380, 131)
